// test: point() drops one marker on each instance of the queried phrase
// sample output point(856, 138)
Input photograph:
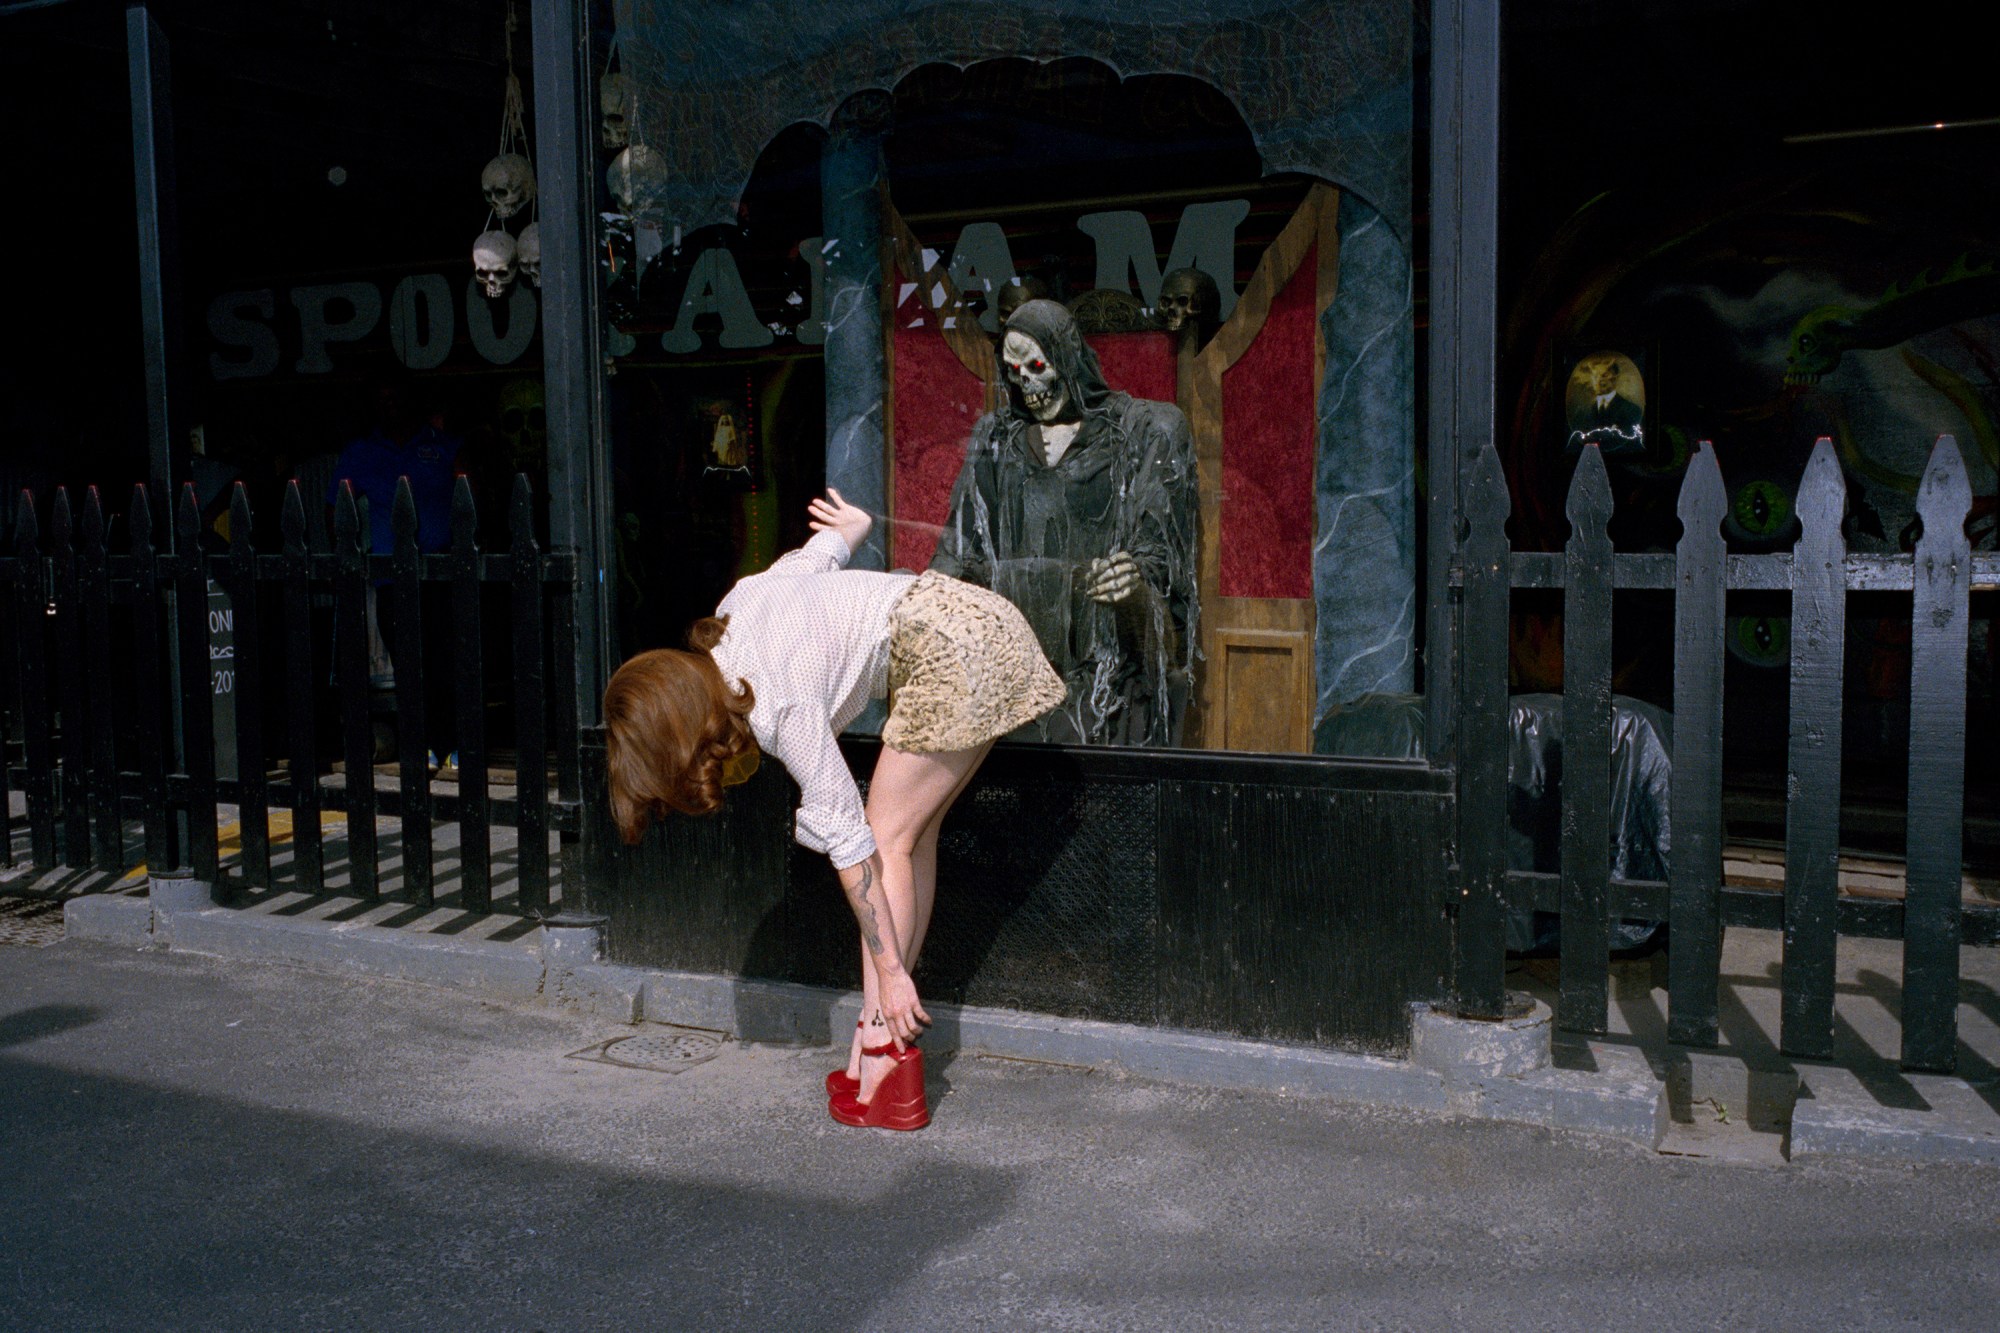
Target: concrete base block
point(109, 919)
point(568, 942)
point(1761, 1098)
point(1502, 1071)
point(175, 896)
point(1469, 1047)
point(1920, 1118)
point(571, 947)
point(507, 971)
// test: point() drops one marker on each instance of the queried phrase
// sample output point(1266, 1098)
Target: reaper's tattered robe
point(1030, 530)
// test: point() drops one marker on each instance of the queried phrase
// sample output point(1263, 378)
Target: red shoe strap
point(886, 1048)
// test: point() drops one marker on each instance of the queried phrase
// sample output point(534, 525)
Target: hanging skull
point(638, 179)
point(508, 182)
point(494, 256)
point(614, 100)
point(1029, 371)
point(1189, 301)
point(528, 252)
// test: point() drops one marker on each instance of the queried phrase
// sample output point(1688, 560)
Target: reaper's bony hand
point(1113, 578)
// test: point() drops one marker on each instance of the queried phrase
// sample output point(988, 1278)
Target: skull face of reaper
point(1029, 371)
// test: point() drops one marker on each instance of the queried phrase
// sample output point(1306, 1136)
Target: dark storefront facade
point(1408, 420)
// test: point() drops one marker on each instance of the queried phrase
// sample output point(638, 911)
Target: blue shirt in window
point(374, 462)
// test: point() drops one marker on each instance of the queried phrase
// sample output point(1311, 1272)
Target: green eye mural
point(1762, 641)
point(1760, 511)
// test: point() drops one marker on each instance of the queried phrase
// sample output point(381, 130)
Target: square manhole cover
point(667, 1050)
point(33, 922)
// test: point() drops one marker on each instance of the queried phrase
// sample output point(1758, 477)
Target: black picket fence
point(114, 669)
point(1818, 572)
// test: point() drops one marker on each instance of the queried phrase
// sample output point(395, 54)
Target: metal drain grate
point(667, 1051)
point(34, 923)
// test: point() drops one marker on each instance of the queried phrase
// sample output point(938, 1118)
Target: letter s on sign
point(228, 325)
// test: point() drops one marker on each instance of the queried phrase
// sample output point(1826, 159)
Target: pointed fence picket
point(1819, 573)
point(93, 637)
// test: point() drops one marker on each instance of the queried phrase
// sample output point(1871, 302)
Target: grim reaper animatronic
point(1078, 504)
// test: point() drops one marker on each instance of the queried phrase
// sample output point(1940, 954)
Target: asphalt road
point(200, 1145)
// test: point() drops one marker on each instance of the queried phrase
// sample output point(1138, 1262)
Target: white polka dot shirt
point(812, 638)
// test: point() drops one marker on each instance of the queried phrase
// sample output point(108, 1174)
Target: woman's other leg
point(923, 857)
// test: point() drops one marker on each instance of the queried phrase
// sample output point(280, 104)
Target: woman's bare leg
point(923, 859)
point(905, 797)
point(923, 875)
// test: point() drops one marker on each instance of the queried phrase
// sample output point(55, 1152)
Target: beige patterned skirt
point(964, 668)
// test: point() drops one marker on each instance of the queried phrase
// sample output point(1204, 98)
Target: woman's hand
point(834, 513)
point(901, 1011)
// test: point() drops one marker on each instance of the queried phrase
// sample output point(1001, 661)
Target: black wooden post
point(1479, 983)
point(1936, 830)
point(474, 824)
point(1464, 300)
point(1586, 769)
point(70, 699)
point(531, 706)
point(153, 707)
point(1694, 879)
point(94, 587)
point(9, 701)
point(158, 217)
point(253, 819)
point(1812, 786)
point(351, 591)
point(308, 851)
point(197, 711)
point(572, 351)
point(31, 604)
point(406, 647)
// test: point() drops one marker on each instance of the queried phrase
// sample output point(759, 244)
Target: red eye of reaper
point(1037, 366)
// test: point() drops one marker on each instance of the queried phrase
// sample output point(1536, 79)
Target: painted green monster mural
point(1964, 290)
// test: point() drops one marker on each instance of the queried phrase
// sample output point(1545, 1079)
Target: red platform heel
point(899, 1099)
point(841, 1083)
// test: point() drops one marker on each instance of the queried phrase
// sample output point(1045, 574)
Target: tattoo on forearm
point(864, 910)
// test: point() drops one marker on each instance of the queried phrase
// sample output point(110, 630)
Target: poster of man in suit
point(1605, 404)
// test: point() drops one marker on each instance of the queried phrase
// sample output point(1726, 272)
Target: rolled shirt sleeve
point(826, 552)
point(831, 818)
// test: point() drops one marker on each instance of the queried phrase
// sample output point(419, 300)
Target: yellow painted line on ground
point(229, 837)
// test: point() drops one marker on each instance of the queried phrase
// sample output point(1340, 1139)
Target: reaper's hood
point(1049, 324)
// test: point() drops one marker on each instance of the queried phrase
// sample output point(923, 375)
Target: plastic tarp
point(1392, 726)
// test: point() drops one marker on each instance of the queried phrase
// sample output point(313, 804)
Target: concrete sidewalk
point(201, 1143)
point(1742, 1102)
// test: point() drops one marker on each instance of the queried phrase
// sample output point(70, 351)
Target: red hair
point(673, 723)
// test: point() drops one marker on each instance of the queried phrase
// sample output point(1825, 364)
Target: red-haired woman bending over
point(790, 658)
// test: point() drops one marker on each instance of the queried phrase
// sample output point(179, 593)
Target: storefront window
point(1070, 336)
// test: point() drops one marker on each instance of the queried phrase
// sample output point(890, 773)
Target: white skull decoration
point(494, 256)
point(508, 182)
point(528, 252)
point(1029, 371)
point(614, 101)
point(638, 179)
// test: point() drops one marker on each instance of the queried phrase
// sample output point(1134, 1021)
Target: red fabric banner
point(1269, 425)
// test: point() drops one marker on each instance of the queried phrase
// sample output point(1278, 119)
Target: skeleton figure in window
point(1190, 306)
point(727, 445)
point(1078, 504)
